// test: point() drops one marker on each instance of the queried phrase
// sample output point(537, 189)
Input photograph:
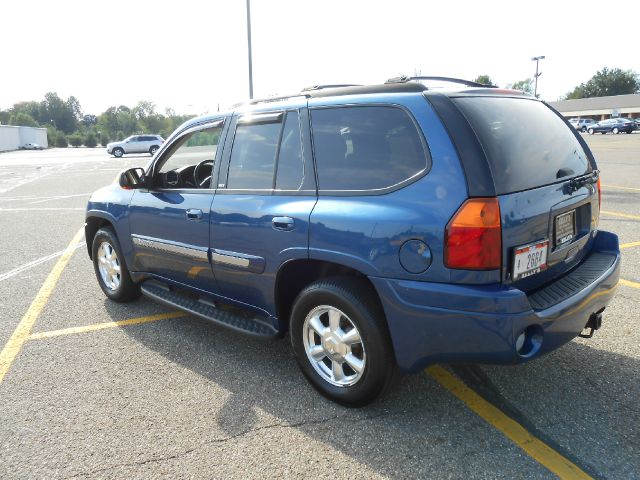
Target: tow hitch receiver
point(593, 324)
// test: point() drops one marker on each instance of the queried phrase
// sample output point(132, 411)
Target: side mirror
point(132, 178)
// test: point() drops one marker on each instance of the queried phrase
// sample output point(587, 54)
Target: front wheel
point(615, 131)
point(118, 152)
point(341, 342)
point(584, 129)
point(111, 270)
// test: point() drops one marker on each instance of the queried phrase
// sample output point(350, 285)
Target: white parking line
point(34, 263)
point(57, 197)
point(40, 209)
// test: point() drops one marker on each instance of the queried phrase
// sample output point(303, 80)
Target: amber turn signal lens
point(473, 239)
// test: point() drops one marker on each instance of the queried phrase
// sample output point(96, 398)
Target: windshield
point(526, 143)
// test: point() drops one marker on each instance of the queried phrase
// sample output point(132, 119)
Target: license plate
point(530, 259)
point(565, 229)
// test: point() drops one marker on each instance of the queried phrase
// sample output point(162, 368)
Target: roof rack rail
point(468, 83)
point(278, 98)
point(270, 99)
point(338, 85)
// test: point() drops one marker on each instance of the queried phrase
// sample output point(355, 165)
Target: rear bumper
point(431, 322)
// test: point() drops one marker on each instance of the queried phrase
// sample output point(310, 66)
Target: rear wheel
point(591, 131)
point(340, 339)
point(153, 149)
point(584, 129)
point(118, 152)
point(615, 131)
point(111, 270)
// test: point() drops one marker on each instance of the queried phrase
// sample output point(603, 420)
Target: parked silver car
point(135, 144)
point(582, 124)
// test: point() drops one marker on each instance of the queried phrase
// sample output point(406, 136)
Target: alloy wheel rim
point(109, 266)
point(334, 346)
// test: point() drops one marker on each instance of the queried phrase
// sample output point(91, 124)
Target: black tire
point(591, 131)
point(584, 129)
point(360, 304)
point(153, 150)
point(118, 152)
point(126, 290)
point(615, 131)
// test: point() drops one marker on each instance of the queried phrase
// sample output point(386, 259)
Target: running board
point(203, 309)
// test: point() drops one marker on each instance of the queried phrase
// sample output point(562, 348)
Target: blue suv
point(384, 227)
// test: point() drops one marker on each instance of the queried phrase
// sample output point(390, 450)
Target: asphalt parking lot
point(94, 389)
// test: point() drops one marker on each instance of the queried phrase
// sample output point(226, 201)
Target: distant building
point(12, 137)
point(600, 108)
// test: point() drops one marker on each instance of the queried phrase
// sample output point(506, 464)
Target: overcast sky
point(192, 55)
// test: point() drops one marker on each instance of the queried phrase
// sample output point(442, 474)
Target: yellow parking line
point(629, 283)
point(621, 187)
point(618, 214)
point(101, 326)
point(22, 331)
point(630, 244)
point(533, 446)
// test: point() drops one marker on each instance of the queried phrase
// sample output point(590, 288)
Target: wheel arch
point(93, 223)
point(294, 275)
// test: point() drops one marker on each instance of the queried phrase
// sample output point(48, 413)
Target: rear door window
point(290, 174)
point(527, 145)
point(366, 148)
point(253, 156)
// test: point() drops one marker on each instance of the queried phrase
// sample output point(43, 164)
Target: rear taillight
point(473, 239)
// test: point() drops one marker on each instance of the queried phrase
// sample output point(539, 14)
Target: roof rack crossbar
point(468, 83)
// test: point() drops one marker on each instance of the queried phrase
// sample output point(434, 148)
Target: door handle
point(194, 214)
point(283, 223)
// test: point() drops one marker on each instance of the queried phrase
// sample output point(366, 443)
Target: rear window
point(366, 148)
point(526, 143)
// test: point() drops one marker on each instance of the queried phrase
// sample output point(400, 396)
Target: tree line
point(66, 123)
point(605, 82)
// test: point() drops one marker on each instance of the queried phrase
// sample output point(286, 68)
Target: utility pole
point(535, 59)
point(249, 48)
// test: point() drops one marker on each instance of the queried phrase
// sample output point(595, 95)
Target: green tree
point(52, 136)
point(144, 109)
point(75, 140)
point(484, 79)
point(90, 140)
point(104, 139)
point(525, 86)
point(127, 122)
point(61, 113)
point(23, 120)
point(607, 82)
point(61, 140)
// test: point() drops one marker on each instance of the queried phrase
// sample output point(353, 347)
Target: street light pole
point(535, 59)
point(249, 48)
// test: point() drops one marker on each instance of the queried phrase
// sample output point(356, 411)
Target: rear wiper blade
point(577, 183)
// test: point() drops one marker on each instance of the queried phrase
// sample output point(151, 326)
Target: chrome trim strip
point(168, 247)
point(240, 261)
point(229, 260)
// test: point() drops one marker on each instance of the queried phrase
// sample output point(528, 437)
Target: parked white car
point(31, 146)
point(135, 144)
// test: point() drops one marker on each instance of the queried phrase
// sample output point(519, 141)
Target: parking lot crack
point(218, 441)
